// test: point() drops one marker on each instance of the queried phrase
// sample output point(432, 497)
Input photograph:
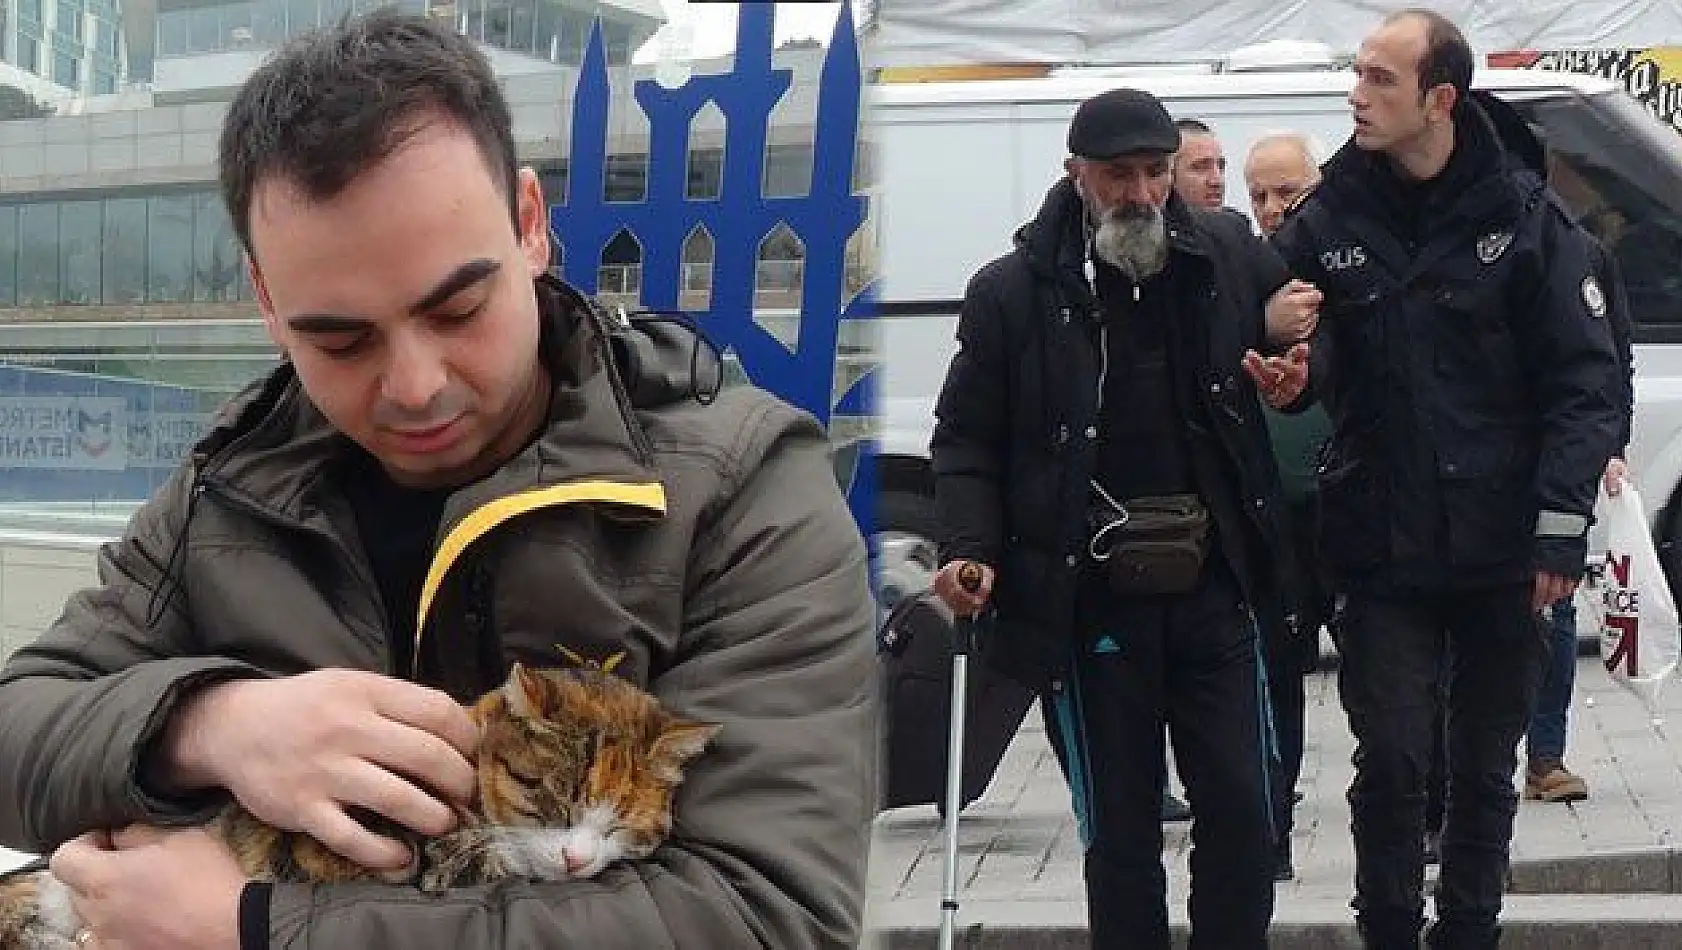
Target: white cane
point(969, 577)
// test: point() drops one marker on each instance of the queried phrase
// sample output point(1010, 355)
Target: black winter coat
point(1015, 438)
point(1465, 356)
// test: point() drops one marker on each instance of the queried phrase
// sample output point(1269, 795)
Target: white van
point(963, 163)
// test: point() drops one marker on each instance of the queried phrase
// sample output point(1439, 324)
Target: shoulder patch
point(1491, 246)
point(1593, 297)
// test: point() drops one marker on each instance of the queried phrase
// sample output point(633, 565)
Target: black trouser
point(1289, 700)
point(1287, 665)
point(1436, 777)
point(1392, 649)
point(1191, 661)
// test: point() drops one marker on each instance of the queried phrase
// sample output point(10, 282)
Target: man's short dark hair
point(1193, 125)
point(333, 102)
point(1447, 58)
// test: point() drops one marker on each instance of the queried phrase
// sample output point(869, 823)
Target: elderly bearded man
point(1100, 387)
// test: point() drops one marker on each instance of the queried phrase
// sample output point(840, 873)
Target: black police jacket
point(1465, 357)
point(1015, 437)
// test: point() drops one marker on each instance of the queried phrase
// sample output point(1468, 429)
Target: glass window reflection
point(38, 254)
point(79, 227)
point(217, 262)
point(8, 255)
point(124, 276)
point(169, 249)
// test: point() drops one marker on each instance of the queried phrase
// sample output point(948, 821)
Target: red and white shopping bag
point(1640, 638)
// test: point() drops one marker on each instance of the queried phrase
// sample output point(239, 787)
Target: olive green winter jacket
point(710, 543)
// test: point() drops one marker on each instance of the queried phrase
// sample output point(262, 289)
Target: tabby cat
point(576, 767)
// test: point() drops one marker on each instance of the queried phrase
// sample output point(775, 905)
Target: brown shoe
point(1548, 780)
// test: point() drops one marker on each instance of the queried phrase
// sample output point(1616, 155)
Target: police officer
point(1464, 357)
point(1100, 451)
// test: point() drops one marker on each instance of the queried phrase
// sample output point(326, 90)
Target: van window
point(1620, 172)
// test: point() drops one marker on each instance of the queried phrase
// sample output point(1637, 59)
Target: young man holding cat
point(460, 465)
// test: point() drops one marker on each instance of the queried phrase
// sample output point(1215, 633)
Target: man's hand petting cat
point(145, 888)
point(298, 751)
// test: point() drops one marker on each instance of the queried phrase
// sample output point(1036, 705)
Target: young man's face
point(406, 304)
point(1200, 170)
point(1391, 111)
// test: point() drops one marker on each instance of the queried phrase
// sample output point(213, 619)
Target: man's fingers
point(75, 861)
point(1551, 588)
point(425, 759)
point(135, 836)
point(345, 836)
point(962, 602)
point(394, 796)
point(427, 709)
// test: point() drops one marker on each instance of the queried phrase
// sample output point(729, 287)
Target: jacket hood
point(1496, 164)
point(1056, 237)
point(1522, 144)
point(661, 357)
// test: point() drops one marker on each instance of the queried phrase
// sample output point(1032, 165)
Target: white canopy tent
point(913, 33)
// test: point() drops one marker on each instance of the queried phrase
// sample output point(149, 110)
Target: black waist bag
point(1153, 544)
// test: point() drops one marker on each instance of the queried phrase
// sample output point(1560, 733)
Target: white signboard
point(63, 432)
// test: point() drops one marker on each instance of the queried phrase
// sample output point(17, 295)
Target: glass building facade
point(551, 30)
point(174, 246)
point(123, 289)
point(170, 246)
point(76, 45)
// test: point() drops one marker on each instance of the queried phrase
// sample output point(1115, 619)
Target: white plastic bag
point(1640, 638)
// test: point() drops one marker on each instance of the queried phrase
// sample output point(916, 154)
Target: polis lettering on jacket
point(1344, 258)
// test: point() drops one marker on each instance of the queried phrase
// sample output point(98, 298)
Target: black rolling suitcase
point(916, 647)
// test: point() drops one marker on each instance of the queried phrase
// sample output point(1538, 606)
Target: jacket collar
point(1056, 241)
point(272, 445)
point(1478, 182)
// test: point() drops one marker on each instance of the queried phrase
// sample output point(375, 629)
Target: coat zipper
point(1104, 351)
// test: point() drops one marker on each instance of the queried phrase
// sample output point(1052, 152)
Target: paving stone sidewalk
point(1019, 853)
point(1020, 856)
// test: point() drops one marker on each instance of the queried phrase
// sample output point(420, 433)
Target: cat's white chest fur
point(52, 901)
point(558, 854)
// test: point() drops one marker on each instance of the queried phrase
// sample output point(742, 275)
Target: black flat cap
point(1121, 121)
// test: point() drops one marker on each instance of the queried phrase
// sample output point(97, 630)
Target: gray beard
point(1134, 240)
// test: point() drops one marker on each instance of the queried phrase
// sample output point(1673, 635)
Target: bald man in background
point(1281, 168)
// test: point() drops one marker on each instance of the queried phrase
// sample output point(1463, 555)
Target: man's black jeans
point(1392, 647)
point(1191, 661)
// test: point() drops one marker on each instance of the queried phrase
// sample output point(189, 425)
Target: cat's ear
point(679, 743)
point(524, 692)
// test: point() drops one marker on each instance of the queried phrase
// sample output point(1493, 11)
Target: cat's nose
point(576, 858)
